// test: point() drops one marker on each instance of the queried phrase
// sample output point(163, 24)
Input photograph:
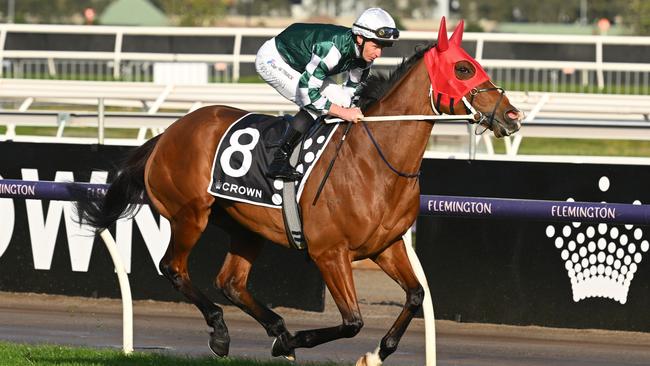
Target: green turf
point(574, 88)
point(50, 355)
point(529, 145)
point(78, 132)
point(585, 147)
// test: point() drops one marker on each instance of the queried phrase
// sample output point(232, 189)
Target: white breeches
point(277, 73)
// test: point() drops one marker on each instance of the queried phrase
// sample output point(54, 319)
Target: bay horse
point(363, 209)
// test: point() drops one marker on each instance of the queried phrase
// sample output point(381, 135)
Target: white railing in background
point(554, 75)
point(152, 107)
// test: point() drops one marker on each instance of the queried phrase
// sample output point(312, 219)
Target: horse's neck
point(404, 143)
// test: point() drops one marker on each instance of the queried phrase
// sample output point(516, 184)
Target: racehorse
point(370, 198)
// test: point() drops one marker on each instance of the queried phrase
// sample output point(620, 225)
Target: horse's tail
point(127, 189)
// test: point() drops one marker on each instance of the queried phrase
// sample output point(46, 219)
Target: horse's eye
point(463, 70)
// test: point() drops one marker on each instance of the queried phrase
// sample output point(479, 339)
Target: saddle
point(242, 158)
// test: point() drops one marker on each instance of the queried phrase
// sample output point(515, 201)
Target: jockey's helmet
point(377, 25)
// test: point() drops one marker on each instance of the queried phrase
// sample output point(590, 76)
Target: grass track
point(587, 147)
point(50, 355)
point(529, 145)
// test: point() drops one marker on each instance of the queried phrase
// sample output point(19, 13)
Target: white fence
point(556, 75)
point(148, 106)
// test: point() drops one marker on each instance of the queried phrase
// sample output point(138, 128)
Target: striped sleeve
point(325, 56)
point(354, 78)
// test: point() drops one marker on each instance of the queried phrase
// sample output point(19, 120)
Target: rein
point(408, 117)
point(329, 168)
point(473, 117)
point(381, 154)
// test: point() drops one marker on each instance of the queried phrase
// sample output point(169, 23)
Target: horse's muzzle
point(513, 119)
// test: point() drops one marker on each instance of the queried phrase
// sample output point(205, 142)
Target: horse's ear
point(443, 42)
point(457, 37)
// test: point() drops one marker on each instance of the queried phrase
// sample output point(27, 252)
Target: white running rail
point(554, 115)
point(242, 53)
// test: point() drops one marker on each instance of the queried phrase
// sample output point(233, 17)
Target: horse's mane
point(378, 84)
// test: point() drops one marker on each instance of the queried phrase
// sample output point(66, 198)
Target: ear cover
point(441, 61)
point(443, 43)
point(457, 37)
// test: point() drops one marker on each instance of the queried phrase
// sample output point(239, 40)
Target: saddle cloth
point(245, 152)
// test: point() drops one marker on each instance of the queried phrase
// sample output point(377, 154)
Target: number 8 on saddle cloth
point(246, 150)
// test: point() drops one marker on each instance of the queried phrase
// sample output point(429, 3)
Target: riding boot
point(280, 166)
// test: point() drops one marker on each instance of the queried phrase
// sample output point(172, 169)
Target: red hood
point(440, 61)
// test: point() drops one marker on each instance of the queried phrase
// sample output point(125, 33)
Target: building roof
point(133, 12)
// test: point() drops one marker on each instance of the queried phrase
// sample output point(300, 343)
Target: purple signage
point(477, 207)
point(60, 191)
point(480, 207)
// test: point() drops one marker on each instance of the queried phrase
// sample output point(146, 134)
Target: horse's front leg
point(336, 269)
point(394, 261)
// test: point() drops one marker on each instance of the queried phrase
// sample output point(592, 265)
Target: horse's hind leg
point(336, 269)
point(394, 261)
point(186, 227)
point(233, 277)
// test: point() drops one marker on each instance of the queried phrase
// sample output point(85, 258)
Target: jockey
point(298, 62)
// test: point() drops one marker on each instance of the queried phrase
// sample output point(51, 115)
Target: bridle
point(480, 119)
point(486, 121)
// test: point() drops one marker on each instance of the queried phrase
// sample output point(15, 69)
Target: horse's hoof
point(278, 349)
point(369, 359)
point(219, 347)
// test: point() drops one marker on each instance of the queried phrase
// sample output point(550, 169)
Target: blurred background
point(631, 17)
point(559, 60)
point(117, 72)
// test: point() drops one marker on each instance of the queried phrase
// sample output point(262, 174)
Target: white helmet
point(376, 24)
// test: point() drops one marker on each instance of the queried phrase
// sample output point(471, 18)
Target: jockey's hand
point(349, 114)
point(355, 114)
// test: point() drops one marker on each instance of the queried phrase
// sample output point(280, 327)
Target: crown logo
point(600, 259)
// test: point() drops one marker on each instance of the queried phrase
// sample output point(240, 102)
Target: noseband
point(481, 118)
point(488, 120)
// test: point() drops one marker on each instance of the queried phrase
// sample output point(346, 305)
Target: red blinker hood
point(440, 61)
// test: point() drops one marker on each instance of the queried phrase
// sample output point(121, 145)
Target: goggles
point(383, 32)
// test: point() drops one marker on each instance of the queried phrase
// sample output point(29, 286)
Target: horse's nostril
point(512, 114)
